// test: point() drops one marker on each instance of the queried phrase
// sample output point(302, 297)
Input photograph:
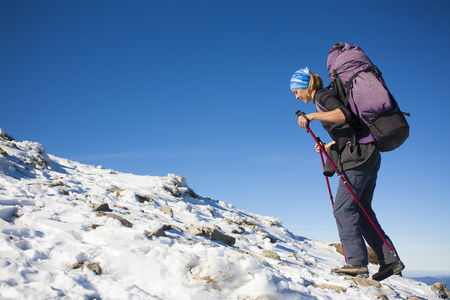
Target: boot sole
point(365, 275)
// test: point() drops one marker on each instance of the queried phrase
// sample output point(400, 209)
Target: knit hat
point(300, 79)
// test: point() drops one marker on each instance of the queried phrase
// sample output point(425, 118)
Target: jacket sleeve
point(330, 101)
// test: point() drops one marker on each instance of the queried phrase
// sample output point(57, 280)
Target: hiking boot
point(388, 270)
point(352, 270)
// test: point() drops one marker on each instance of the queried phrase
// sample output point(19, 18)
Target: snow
point(46, 225)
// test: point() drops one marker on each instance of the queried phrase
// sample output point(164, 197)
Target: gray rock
point(94, 226)
point(162, 231)
point(94, 266)
point(115, 191)
point(157, 233)
point(363, 281)
point(271, 238)
point(196, 230)
point(102, 207)
point(336, 288)
point(143, 199)
point(271, 254)
point(3, 153)
point(167, 210)
point(212, 234)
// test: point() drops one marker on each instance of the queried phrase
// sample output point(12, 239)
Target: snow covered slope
point(73, 231)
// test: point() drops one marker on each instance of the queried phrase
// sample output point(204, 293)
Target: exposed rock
point(239, 230)
point(271, 238)
point(172, 190)
point(55, 184)
point(75, 266)
point(363, 281)
point(212, 234)
point(381, 296)
point(94, 266)
point(167, 227)
point(336, 288)
point(161, 232)
point(17, 215)
point(293, 255)
point(122, 220)
point(216, 235)
point(248, 224)
point(275, 222)
point(174, 227)
point(178, 187)
point(94, 226)
point(39, 162)
point(115, 191)
point(271, 254)
point(121, 207)
point(441, 290)
point(5, 136)
point(210, 211)
point(167, 210)
point(64, 192)
point(196, 230)
point(157, 233)
point(373, 259)
point(102, 207)
point(144, 199)
point(3, 152)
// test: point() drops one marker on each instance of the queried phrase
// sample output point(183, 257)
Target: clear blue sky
point(201, 89)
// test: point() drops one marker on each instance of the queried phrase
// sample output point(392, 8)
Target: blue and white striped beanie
point(300, 79)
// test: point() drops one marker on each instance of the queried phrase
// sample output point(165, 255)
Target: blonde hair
point(315, 83)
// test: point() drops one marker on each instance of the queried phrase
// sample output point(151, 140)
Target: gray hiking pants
point(353, 224)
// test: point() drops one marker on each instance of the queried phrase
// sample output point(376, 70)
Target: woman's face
point(302, 94)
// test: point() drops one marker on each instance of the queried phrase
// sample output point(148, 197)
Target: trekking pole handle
point(300, 113)
point(321, 143)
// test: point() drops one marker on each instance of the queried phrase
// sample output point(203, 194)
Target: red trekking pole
point(299, 113)
point(331, 194)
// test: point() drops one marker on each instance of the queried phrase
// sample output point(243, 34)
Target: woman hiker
point(359, 164)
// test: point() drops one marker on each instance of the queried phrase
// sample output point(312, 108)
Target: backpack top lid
point(346, 59)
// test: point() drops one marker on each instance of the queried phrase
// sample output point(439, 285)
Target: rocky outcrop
point(212, 234)
point(441, 291)
point(177, 187)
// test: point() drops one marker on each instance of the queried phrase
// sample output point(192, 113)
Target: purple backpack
point(360, 85)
